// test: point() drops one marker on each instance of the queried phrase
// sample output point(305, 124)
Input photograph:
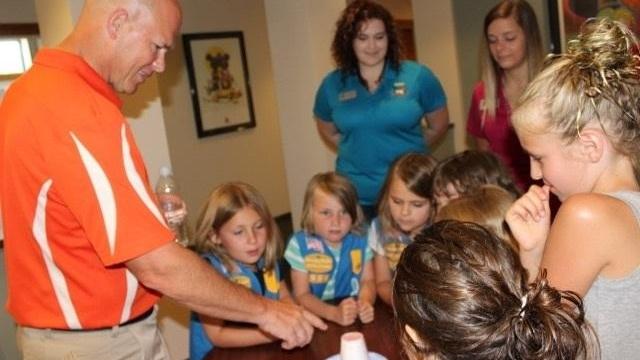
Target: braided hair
point(596, 82)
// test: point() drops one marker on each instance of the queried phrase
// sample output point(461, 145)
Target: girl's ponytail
point(550, 324)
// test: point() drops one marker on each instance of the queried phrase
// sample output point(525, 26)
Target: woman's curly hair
point(347, 28)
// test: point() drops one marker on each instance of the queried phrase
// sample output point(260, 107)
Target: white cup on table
point(353, 347)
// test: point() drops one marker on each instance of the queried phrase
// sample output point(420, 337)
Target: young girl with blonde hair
point(331, 269)
point(404, 208)
point(579, 120)
point(237, 235)
point(461, 293)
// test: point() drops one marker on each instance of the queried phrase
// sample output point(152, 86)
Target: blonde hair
point(487, 207)
point(224, 202)
point(596, 81)
point(336, 185)
point(415, 171)
point(525, 17)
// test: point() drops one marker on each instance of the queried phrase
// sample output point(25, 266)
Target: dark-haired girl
point(461, 293)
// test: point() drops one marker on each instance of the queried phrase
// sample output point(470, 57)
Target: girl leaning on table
point(237, 235)
point(404, 208)
point(579, 120)
point(331, 267)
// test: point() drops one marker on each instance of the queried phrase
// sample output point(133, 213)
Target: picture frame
point(219, 82)
point(566, 17)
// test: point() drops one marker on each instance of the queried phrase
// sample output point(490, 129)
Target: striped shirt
point(296, 261)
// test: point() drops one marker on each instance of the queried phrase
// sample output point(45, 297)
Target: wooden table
point(380, 336)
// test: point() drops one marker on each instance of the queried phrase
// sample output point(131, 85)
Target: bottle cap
point(166, 171)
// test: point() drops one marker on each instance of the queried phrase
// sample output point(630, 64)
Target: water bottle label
point(175, 217)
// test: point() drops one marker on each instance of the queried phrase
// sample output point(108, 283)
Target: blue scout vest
point(321, 265)
point(393, 245)
point(244, 275)
point(199, 343)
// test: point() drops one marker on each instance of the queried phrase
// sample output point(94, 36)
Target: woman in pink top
point(511, 56)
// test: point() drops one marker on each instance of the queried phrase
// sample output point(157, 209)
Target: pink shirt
point(500, 135)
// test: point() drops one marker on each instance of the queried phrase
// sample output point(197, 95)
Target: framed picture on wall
point(219, 82)
point(566, 17)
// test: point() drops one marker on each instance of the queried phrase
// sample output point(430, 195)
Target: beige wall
point(255, 155)
point(434, 31)
point(301, 59)
point(401, 9)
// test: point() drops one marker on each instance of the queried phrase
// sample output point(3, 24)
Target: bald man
point(88, 253)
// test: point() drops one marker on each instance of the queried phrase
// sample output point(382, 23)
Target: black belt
point(131, 321)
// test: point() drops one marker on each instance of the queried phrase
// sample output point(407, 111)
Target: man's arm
point(183, 276)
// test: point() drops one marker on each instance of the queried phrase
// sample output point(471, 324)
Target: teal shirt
point(375, 128)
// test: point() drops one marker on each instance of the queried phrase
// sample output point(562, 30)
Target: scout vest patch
point(271, 281)
point(319, 267)
point(241, 280)
point(356, 261)
point(392, 251)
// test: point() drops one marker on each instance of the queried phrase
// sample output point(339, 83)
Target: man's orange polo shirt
point(76, 201)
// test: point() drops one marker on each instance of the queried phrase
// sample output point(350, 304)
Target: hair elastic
point(523, 299)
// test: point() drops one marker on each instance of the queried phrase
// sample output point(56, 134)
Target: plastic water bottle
point(171, 204)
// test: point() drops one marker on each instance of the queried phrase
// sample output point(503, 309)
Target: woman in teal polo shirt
point(374, 107)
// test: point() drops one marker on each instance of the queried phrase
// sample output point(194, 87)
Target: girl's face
point(371, 42)
point(444, 196)
point(507, 43)
point(244, 236)
point(556, 163)
point(409, 211)
point(331, 221)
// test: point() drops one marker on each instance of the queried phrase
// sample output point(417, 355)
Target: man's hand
point(289, 322)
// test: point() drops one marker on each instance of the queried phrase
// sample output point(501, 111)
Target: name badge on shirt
point(399, 89)
point(347, 95)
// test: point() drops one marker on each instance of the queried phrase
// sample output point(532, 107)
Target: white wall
point(301, 58)
point(254, 155)
point(434, 30)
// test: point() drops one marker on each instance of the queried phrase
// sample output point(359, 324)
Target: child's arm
point(284, 293)
point(383, 277)
point(343, 314)
point(224, 335)
point(367, 295)
point(529, 220)
point(592, 235)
